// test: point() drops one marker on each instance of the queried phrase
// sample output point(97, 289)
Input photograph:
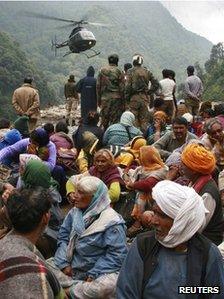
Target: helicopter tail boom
point(55, 45)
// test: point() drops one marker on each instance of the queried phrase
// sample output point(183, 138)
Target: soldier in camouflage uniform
point(72, 100)
point(137, 91)
point(110, 92)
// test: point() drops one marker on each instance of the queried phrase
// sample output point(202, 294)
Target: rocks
point(55, 113)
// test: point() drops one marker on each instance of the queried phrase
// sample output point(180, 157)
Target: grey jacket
point(168, 143)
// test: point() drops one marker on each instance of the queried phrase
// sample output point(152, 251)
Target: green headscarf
point(37, 174)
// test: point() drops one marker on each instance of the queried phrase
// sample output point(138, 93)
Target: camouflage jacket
point(110, 83)
point(138, 82)
point(70, 90)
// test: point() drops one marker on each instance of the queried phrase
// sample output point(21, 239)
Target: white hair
point(89, 184)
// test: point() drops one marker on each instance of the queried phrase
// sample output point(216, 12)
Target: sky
point(205, 18)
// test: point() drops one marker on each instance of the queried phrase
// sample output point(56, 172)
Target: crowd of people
point(129, 206)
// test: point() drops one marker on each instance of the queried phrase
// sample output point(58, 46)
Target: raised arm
point(17, 148)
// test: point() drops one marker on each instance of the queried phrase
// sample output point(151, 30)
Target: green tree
point(14, 66)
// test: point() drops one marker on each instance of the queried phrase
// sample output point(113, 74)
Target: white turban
point(184, 206)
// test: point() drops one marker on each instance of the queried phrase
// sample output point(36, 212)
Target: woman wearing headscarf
point(66, 153)
point(87, 88)
point(145, 177)
point(34, 173)
point(60, 138)
point(37, 174)
point(91, 241)
point(159, 127)
point(128, 157)
point(22, 125)
point(122, 132)
point(105, 169)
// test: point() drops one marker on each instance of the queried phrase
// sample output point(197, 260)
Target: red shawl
point(108, 176)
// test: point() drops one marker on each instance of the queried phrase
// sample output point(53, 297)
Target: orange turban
point(198, 158)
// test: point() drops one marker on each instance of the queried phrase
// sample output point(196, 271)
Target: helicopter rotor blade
point(65, 26)
point(98, 24)
point(42, 16)
point(82, 23)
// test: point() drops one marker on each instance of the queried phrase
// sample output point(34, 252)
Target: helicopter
point(79, 40)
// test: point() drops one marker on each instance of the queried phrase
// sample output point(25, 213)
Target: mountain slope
point(14, 66)
point(145, 27)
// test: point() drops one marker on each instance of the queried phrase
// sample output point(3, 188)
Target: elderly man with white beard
point(174, 261)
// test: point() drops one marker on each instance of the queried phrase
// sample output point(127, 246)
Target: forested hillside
point(213, 78)
point(13, 67)
point(145, 27)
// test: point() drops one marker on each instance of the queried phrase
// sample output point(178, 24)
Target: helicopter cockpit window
point(87, 34)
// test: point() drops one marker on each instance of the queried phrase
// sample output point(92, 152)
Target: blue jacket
point(169, 273)
point(99, 251)
point(87, 87)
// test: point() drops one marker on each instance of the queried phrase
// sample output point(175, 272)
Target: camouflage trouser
point(71, 106)
point(111, 110)
point(138, 105)
point(192, 106)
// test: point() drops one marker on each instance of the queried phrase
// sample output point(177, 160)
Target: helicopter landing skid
point(88, 56)
point(93, 55)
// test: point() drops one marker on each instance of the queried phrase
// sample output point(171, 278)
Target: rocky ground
point(55, 113)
